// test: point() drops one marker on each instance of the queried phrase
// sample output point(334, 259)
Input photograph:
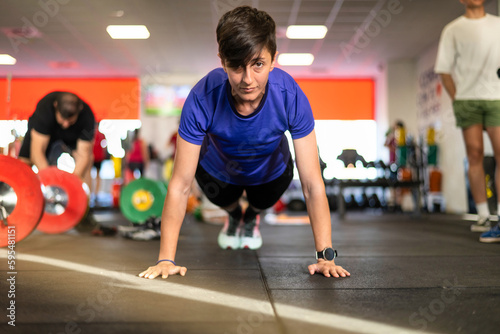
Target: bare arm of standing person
point(449, 84)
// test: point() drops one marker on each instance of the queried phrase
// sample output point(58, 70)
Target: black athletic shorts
point(136, 165)
point(261, 196)
point(97, 164)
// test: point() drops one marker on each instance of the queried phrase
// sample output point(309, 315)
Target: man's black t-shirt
point(44, 121)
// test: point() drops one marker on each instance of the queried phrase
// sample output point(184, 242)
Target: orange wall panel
point(340, 99)
point(3, 97)
point(110, 98)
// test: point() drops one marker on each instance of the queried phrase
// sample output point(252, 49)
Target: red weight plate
point(73, 201)
point(17, 177)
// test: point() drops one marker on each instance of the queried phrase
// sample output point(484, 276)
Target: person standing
point(137, 158)
point(391, 140)
point(468, 61)
point(99, 151)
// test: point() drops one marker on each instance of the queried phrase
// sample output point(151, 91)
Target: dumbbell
point(54, 201)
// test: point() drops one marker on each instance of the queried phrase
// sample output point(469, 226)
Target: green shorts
point(471, 112)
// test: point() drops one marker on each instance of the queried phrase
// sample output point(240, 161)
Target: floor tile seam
point(113, 323)
point(382, 288)
point(279, 321)
point(380, 256)
point(223, 269)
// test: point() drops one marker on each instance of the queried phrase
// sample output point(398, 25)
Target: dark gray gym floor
point(408, 275)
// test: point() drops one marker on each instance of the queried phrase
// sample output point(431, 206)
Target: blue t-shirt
point(245, 150)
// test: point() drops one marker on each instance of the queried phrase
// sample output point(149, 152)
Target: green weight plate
point(164, 184)
point(142, 199)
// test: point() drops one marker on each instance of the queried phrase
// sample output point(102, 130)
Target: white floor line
point(474, 217)
point(165, 287)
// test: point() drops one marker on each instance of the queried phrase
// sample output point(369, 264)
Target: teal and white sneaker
point(250, 235)
point(493, 235)
point(229, 236)
point(482, 225)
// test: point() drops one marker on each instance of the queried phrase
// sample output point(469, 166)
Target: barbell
point(52, 201)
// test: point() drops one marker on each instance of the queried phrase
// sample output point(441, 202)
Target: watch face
point(329, 254)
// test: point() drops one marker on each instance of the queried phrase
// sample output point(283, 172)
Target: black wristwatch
point(328, 254)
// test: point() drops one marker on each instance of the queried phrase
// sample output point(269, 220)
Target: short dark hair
point(66, 108)
point(244, 32)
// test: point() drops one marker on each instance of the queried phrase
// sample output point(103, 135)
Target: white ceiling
point(67, 38)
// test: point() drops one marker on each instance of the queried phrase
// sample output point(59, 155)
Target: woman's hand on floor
point(164, 269)
point(328, 269)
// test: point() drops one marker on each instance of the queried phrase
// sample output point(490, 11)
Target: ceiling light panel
point(6, 59)
point(295, 59)
point(128, 31)
point(306, 32)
